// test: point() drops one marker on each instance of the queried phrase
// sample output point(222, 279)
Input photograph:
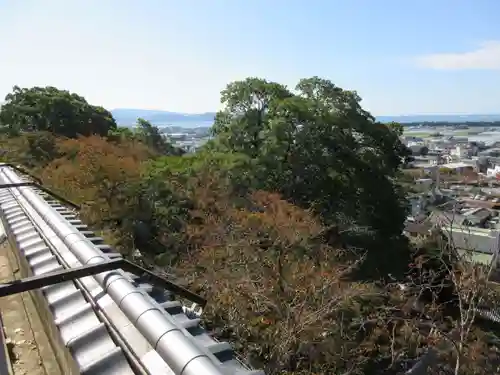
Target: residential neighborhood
point(456, 188)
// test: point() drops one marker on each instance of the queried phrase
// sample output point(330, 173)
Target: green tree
point(121, 134)
point(157, 217)
point(396, 127)
point(247, 104)
point(54, 110)
point(42, 148)
point(321, 150)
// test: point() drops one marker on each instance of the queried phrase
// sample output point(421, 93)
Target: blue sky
point(403, 57)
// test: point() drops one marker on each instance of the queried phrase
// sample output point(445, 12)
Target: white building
point(459, 152)
point(493, 172)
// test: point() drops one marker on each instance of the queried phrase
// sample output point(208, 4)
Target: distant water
point(185, 124)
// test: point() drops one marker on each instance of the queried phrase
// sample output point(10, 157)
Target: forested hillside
point(289, 221)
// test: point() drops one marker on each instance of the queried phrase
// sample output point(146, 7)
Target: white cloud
point(486, 57)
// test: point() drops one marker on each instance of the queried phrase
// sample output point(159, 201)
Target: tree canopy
point(321, 150)
point(54, 110)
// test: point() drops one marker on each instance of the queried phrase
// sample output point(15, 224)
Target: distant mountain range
point(126, 116)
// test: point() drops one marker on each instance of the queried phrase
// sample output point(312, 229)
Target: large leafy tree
point(247, 104)
point(54, 110)
point(322, 150)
